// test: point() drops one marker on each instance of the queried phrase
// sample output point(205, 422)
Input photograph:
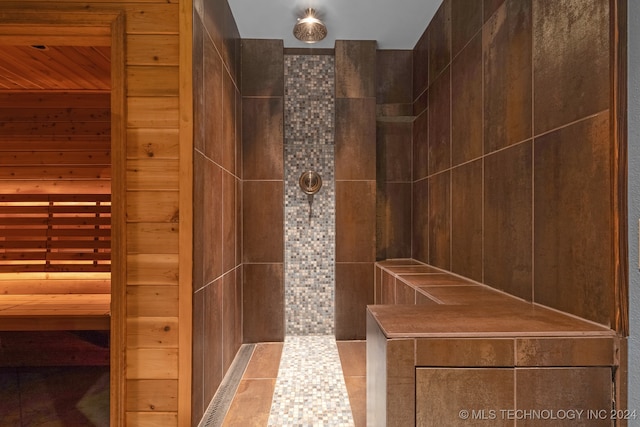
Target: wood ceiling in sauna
point(54, 68)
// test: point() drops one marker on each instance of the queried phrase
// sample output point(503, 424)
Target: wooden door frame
point(21, 25)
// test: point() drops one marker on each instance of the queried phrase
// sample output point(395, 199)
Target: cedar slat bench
point(55, 262)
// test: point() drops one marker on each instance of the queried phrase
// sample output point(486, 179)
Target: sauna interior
point(472, 215)
point(55, 225)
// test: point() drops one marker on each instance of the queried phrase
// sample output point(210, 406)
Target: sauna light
point(310, 29)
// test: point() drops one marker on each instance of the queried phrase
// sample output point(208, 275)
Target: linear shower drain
point(217, 409)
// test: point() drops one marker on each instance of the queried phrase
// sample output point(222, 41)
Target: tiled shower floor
point(302, 385)
point(310, 389)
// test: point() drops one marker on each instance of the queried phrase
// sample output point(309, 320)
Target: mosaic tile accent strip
point(309, 240)
point(310, 389)
point(309, 93)
point(310, 243)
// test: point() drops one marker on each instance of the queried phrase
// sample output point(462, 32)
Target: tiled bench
point(439, 345)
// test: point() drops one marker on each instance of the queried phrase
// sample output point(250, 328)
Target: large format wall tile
point(421, 66)
point(228, 155)
point(466, 220)
point(231, 318)
point(439, 30)
point(394, 211)
point(231, 42)
point(466, 104)
point(394, 76)
point(489, 7)
point(213, 18)
point(212, 122)
point(441, 394)
point(394, 141)
point(598, 351)
point(261, 196)
point(212, 339)
point(355, 138)
point(439, 128)
point(401, 378)
point(440, 220)
point(217, 313)
point(198, 220)
point(263, 219)
point(421, 146)
point(212, 226)
point(571, 61)
point(198, 85)
point(393, 193)
point(197, 356)
point(556, 389)
point(263, 302)
point(355, 69)
point(356, 89)
point(473, 352)
point(521, 71)
point(420, 222)
point(262, 71)
point(229, 223)
point(508, 221)
point(354, 291)
point(506, 40)
point(466, 21)
point(355, 221)
point(573, 264)
point(238, 135)
point(263, 138)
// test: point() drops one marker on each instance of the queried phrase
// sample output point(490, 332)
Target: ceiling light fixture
point(309, 29)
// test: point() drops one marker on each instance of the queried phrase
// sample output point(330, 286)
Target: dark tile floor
point(54, 379)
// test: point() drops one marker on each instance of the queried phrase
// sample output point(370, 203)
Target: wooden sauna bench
point(55, 262)
point(435, 339)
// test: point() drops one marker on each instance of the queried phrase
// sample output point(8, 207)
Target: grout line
point(533, 172)
point(482, 142)
point(450, 158)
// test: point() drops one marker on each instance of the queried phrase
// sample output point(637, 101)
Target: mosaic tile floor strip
point(310, 389)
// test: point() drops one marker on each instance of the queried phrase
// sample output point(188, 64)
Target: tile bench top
point(475, 321)
point(464, 308)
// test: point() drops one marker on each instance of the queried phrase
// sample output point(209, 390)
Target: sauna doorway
point(61, 215)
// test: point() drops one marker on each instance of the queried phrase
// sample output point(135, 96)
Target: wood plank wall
point(55, 143)
point(153, 121)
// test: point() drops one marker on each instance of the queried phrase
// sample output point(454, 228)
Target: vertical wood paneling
point(157, 143)
point(154, 112)
point(149, 419)
point(118, 388)
point(152, 395)
point(64, 146)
